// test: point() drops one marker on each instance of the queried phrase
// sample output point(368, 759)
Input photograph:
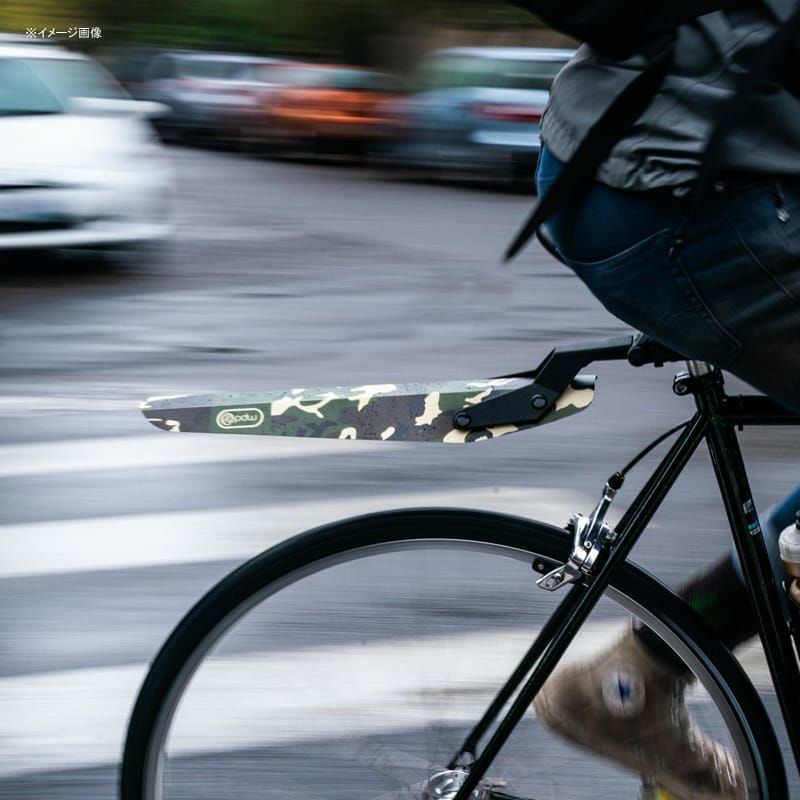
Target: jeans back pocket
point(646, 287)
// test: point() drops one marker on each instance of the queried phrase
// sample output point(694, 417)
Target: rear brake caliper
point(591, 535)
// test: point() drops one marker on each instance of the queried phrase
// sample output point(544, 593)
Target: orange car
point(322, 107)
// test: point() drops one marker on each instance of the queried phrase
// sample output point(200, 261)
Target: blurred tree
point(17, 17)
point(366, 32)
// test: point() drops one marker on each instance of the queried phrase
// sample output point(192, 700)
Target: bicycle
point(325, 680)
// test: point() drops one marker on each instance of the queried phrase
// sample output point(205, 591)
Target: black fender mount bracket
point(558, 372)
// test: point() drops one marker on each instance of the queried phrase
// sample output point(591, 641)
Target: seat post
point(699, 368)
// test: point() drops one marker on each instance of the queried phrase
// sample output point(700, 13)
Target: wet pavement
point(283, 275)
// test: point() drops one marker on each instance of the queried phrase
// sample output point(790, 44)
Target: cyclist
point(728, 293)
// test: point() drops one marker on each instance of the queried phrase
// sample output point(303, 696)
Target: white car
point(80, 165)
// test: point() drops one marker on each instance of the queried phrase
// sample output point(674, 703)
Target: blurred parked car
point(128, 64)
point(476, 110)
point(324, 108)
point(80, 165)
point(206, 93)
point(240, 121)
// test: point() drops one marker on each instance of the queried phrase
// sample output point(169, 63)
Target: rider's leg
point(777, 518)
point(718, 593)
point(731, 298)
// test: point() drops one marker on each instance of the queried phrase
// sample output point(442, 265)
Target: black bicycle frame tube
point(582, 598)
point(765, 595)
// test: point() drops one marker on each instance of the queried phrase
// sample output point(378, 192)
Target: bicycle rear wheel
point(350, 661)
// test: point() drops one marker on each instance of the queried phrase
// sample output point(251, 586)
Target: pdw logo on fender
point(235, 418)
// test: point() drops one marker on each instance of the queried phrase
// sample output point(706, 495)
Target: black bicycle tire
point(418, 525)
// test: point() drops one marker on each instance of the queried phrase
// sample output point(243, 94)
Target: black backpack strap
point(596, 146)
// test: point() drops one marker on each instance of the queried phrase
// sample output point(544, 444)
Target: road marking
point(15, 405)
point(77, 718)
point(163, 450)
point(235, 233)
point(183, 537)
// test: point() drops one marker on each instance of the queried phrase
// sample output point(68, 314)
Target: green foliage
point(348, 30)
point(17, 17)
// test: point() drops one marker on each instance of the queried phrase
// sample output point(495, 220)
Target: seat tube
point(765, 594)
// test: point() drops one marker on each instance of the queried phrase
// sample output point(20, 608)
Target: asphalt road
point(285, 275)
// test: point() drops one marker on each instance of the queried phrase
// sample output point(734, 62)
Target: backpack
point(620, 29)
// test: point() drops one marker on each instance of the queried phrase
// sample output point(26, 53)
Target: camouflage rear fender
point(411, 412)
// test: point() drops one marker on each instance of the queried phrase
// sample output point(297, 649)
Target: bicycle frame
point(716, 420)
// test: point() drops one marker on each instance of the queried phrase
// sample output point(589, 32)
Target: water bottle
point(789, 545)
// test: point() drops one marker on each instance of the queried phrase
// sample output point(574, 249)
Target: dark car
point(476, 110)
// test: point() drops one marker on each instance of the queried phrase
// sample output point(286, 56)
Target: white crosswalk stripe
point(163, 450)
point(23, 405)
point(77, 718)
point(142, 540)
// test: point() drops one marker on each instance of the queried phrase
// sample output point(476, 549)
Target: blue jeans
point(730, 294)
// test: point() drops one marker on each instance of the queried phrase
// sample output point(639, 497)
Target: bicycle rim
point(350, 661)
